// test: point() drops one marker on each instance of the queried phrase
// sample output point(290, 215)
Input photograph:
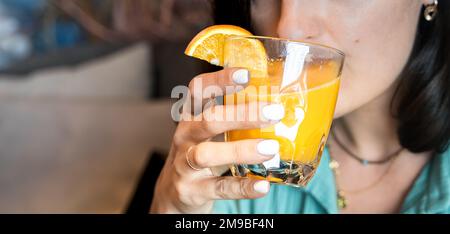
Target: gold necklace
point(340, 194)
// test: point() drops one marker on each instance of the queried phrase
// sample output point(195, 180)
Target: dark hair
point(421, 103)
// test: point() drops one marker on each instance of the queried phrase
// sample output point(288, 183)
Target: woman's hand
point(186, 183)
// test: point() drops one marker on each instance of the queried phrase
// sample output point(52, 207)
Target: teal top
point(430, 193)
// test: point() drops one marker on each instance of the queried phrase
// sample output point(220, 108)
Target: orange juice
point(309, 104)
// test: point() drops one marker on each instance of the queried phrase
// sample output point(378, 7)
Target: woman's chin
point(344, 107)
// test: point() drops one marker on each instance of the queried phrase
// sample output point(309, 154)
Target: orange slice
point(247, 53)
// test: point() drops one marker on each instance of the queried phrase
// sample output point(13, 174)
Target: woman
point(391, 130)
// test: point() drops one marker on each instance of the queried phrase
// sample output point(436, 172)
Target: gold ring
point(188, 152)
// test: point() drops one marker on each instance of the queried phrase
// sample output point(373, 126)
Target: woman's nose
point(300, 20)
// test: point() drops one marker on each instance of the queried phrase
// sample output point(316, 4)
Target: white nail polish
point(261, 186)
point(240, 76)
point(273, 112)
point(268, 147)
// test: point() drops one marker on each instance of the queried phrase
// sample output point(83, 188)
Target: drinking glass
point(302, 77)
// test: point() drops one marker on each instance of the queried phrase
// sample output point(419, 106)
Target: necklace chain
point(334, 165)
point(363, 161)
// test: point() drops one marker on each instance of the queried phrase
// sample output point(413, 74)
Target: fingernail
point(268, 147)
point(273, 112)
point(240, 76)
point(261, 186)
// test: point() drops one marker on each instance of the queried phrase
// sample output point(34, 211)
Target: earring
point(431, 11)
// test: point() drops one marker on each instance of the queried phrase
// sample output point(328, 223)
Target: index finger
point(236, 78)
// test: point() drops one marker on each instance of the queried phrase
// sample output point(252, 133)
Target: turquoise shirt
point(430, 193)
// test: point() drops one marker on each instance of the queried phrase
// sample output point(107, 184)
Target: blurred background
point(85, 99)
